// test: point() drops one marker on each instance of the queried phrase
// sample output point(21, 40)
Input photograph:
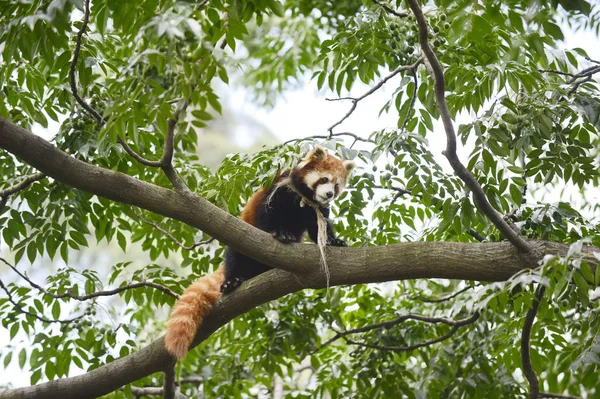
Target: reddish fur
point(249, 212)
point(190, 310)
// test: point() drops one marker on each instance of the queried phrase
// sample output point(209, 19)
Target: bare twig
point(455, 326)
point(591, 60)
point(443, 299)
point(391, 10)
point(402, 319)
point(356, 100)
point(20, 309)
point(166, 233)
point(94, 294)
point(169, 388)
point(528, 371)
point(461, 171)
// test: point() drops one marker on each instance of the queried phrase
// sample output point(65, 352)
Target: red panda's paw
point(230, 285)
point(338, 242)
point(284, 236)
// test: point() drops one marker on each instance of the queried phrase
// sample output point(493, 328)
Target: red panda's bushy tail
point(190, 310)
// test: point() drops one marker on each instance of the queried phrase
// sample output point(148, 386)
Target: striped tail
point(190, 310)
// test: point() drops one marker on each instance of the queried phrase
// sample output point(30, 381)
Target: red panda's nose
point(329, 194)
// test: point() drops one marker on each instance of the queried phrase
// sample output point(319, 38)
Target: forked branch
point(461, 171)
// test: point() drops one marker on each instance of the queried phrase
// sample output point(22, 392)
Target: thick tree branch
point(461, 171)
point(465, 261)
point(528, 371)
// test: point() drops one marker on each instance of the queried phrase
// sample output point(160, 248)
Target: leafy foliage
point(533, 126)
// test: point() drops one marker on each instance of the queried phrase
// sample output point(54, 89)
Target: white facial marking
point(311, 178)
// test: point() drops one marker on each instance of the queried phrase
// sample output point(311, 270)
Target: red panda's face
point(322, 175)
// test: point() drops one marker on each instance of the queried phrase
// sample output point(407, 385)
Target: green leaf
point(22, 358)
point(56, 310)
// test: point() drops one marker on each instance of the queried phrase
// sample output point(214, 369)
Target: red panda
point(279, 210)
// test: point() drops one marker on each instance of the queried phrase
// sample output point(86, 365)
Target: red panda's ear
point(349, 165)
point(317, 154)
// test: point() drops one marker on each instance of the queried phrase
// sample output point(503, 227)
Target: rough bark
point(469, 261)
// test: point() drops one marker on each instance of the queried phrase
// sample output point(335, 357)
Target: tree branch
point(463, 173)
point(391, 10)
point(169, 235)
point(455, 326)
point(556, 395)
point(356, 100)
point(465, 261)
point(443, 299)
point(23, 184)
point(93, 294)
point(528, 371)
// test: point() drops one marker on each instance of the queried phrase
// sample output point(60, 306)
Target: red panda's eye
point(324, 180)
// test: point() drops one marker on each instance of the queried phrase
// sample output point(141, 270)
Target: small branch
point(169, 388)
point(94, 294)
point(443, 299)
point(591, 60)
point(391, 10)
point(354, 136)
point(556, 395)
point(153, 391)
point(20, 309)
point(356, 100)
point(453, 330)
point(412, 101)
point(169, 235)
point(23, 184)
point(387, 324)
point(528, 370)
point(463, 173)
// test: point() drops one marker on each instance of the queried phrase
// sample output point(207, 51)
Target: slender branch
point(154, 391)
point(402, 319)
point(443, 299)
point(169, 235)
point(94, 294)
point(556, 395)
point(356, 100)
point(23, 184)
point(413, 99)
point(463, 173)
point(20, 309)
point(453, 330)
point(391, 10)
point(528, 371)
point(354, 136)
point(169, 388)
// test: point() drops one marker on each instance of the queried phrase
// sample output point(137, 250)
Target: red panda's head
point(321, 177)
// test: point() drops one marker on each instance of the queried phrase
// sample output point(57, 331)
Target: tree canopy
point(469, 275)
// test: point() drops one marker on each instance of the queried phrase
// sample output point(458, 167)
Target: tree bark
point(465, 261)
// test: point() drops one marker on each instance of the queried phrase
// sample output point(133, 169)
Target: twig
point(23, 184)
point(401, 319)
point(556, 395)
point(391, 10)
point(412, 101)
point(175, 240)
point(528, 371)
point(40, 318)
point(591, 60)
point(443, 299)
point(356, 100)
point(463, 173)
point(94, 294)
point(354, 136)
point(453, 330)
